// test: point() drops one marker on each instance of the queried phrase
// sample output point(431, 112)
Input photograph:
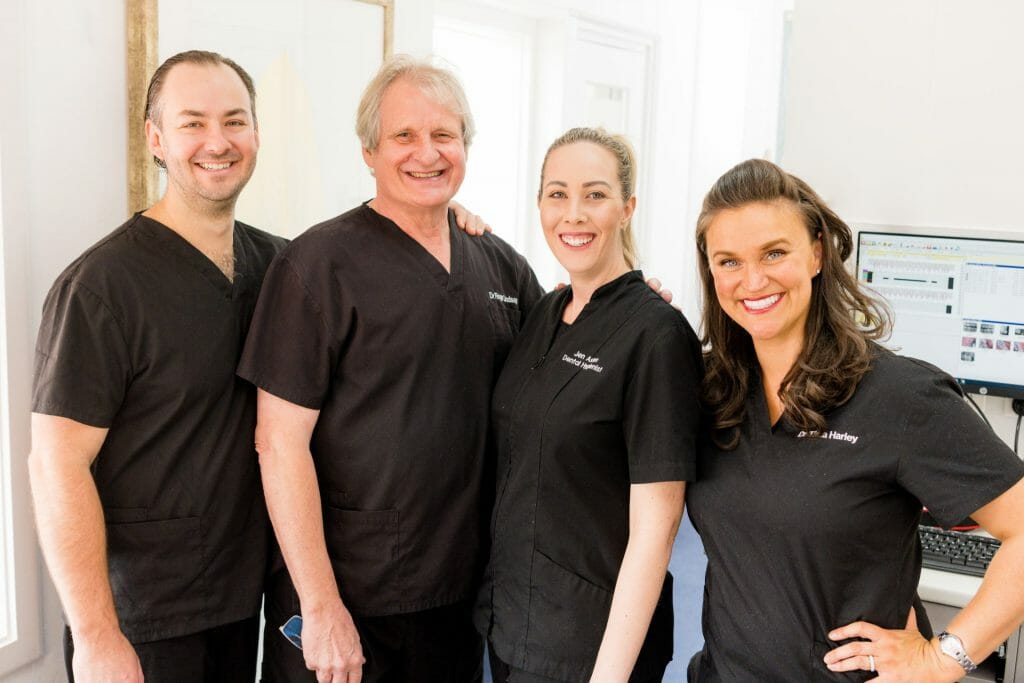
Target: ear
point(154, 139)
point(368, 157)
point(256, 135)
point(628, 209)
point(816, 247)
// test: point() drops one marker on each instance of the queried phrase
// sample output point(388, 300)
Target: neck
point(211, 232)
point(583, 288)
point(429, 227)
point(430, 223)
point(776, 359)
point(204, 229)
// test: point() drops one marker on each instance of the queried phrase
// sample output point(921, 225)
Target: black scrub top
point(141, 335)
point(807, 532)
point(579, 416)
point(360, 322)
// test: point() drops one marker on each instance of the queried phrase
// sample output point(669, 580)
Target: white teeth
point(577, 240)
point(759, 304)
point(431, 174)
point(216, 167)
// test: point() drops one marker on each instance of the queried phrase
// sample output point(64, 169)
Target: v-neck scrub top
point(807, 532)
point(141, 335)
point(359, 321)
point(579, 416)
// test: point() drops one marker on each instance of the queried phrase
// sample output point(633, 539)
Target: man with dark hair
point(147, 491)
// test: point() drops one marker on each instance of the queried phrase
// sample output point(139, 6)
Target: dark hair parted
point(842, 321)
point(201, 57)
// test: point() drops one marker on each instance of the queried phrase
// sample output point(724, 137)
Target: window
point(499, 89)
point(21, 603)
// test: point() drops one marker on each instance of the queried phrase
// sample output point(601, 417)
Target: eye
point(191, 124)
point(237, 123)
point(596, 194)
point(728, 263)
point(444, 136)
point(403, 135)
point(774, 255)
point(556, 194)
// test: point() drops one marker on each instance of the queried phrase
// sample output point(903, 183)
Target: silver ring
point(871, 663)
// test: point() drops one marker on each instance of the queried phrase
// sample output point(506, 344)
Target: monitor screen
point(958, 303)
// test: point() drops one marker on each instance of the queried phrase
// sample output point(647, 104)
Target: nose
point(754, 278)
point(216, 141)
point(574, 212)
point(426, 152)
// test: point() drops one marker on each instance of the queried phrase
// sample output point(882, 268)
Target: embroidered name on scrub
point(583, 361)
point(835, 436)
point(504, 298)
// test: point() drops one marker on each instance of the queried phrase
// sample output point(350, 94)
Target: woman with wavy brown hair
point(823, 448)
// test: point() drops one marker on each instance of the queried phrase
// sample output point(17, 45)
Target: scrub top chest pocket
point(505, 316)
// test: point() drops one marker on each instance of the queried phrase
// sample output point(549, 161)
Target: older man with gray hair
point(375, 345)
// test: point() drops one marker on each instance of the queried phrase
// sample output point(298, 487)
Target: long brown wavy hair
point(842, 321)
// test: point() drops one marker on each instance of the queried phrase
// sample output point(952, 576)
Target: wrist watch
point(952, 646)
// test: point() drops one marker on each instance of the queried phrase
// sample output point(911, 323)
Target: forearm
point(998, 607)
point(636, 594)
point(654, 514)
point(72, 534)
point(293, 501)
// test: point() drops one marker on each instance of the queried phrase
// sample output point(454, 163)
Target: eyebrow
point(203, 114)
point(589, 183)
point(764, 247)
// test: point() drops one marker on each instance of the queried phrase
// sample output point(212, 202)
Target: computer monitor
point(957, 300)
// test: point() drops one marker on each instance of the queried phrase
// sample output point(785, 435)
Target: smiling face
point(205, 135)
point(420, 159)
point(583, 212)
point(763, 262)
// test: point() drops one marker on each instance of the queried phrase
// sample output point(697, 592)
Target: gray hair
point(439, 84)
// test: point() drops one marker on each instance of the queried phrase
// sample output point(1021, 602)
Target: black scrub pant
point(223, 654)
point(503, 673)
point(437, 645)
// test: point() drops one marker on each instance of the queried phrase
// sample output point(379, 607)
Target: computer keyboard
point(956, 551)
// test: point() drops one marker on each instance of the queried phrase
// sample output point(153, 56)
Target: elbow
point(263, 443)
point(42, 466)
point(36, 468)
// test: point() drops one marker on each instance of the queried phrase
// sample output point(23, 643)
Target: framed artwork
point(309, 59)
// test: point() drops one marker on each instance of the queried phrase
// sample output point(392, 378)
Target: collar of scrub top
point(596, 328)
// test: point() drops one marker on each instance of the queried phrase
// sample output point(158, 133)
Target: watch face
point(952, 646)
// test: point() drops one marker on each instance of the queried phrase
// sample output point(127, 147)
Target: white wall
point(909, 113)
point(62, 122)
